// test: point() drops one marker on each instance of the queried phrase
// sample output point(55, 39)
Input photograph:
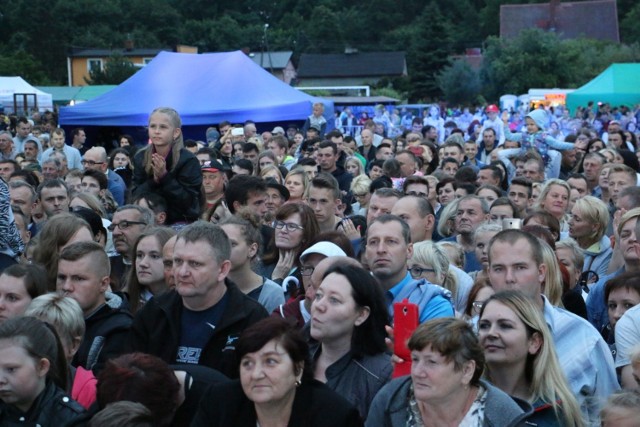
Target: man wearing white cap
point(277, 131)
point(299, 309)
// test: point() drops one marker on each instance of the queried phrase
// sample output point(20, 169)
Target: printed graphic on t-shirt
point(188, 355)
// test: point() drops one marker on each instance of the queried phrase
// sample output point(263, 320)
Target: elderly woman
point(348, 316)
point(554, 198)
point(587, 226)
point(276, 387)
point(521, 359)
point(445, 386)
point(430, 261)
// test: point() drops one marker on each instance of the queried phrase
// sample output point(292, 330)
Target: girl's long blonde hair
point(176, 145)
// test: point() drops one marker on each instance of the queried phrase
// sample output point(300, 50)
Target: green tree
point(459, 83)
point(428, 54)
point(531, 60)
point(116, 70)
point(24, 65)
point(323, 31)
point(539, 59)
point(629, 28)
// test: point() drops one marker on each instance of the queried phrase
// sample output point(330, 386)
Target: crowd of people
point(250, 278)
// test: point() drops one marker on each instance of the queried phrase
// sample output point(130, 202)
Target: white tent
point(25, 104)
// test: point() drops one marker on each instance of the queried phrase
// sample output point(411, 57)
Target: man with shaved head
point(96, 159)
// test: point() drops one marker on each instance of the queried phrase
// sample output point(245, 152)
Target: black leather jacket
point(52, 408)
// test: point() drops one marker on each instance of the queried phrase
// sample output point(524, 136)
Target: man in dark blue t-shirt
point(199, 321)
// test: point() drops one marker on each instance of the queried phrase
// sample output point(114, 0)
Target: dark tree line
point(37, 34)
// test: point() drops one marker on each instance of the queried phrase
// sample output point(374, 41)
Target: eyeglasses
point(90, 162)
point(307, 271)
point(123, 225)
point(360, 196)
point(289, 226)
point(477, 305)
point(419, 271)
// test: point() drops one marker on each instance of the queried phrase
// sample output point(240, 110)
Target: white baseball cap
point(323, 248)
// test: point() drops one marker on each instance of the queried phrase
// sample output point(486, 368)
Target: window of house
point(94, 64)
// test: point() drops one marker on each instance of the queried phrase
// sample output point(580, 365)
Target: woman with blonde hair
point(554, 198)
point(446, 218)
point(297, 183)
point(167, 168)
point(271, 171)
point(520, 358)
point(587, 226)
point(361, 190)
point(552, 277)
point(429, 261)
point(354, 166)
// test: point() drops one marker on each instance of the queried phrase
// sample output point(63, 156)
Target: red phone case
point(405, 321)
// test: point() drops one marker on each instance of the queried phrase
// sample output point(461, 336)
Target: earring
point(298, 383)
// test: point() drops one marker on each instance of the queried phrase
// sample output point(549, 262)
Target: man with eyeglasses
point(74, 158)
point(388, 248)
point(96, 159)
point(128, 223)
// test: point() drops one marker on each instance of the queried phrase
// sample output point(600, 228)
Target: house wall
point(80, 68)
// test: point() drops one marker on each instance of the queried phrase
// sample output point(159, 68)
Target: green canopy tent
point(65, 95)
point(617, 85)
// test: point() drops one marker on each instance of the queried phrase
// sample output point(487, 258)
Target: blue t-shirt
point(196, 329)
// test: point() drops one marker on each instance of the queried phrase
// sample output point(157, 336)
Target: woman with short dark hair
point(444, 387)
point(275, 386)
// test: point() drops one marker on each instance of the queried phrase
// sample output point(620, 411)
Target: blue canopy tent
point(205, 89)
